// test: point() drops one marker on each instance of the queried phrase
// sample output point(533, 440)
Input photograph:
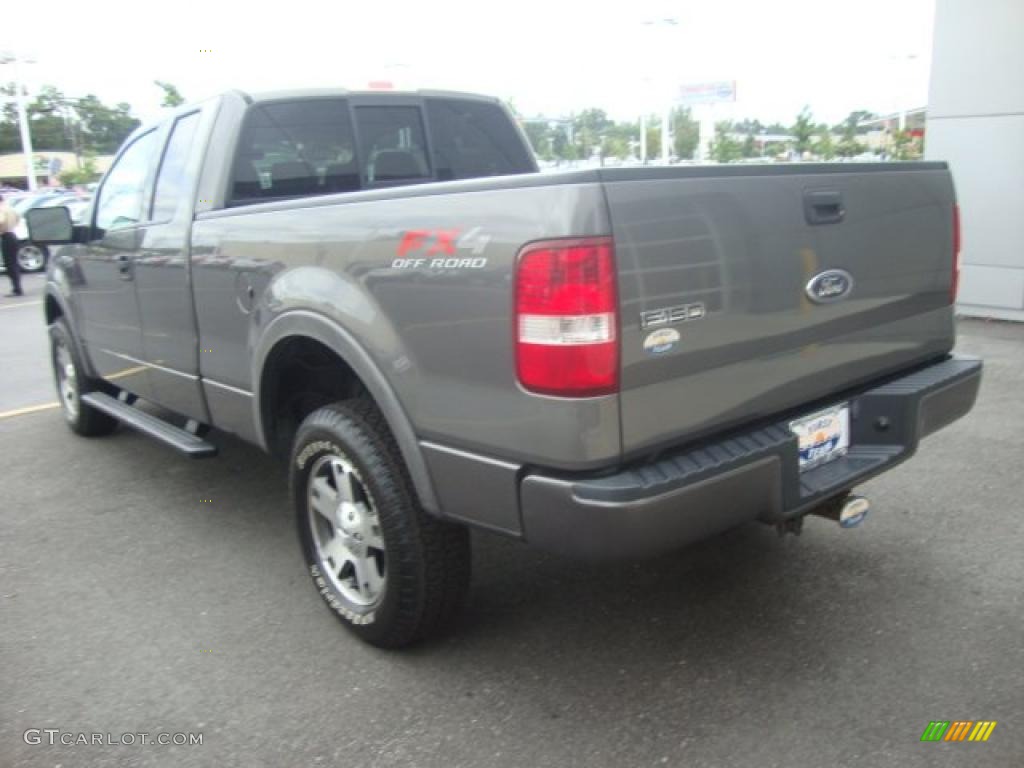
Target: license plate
point(822, 436)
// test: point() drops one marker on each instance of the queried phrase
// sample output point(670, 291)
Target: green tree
point(561, 147)
point(48, 116)
point(57, 122)
point(803, 131)
point(686, 133)
point(849, 129)
point(748, 126)
point(905, 146)
point(172, 96)
point(653, 139)
point(852, 124)
point(724, 148)
point(750, 147)
point(540, 136)
point(614, 146)
point(824, 147)
point(623, 135)
point(589, 129)
point(86, 173)
point(104, 128)
point(848, 146)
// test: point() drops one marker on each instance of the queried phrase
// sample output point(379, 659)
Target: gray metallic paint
point(475, 489)
point(744, 249)
point(302, 323)
point(435, 347)
point(752, 474)
point(441, 339)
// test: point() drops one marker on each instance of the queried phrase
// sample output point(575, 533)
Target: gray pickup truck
point(381, 289)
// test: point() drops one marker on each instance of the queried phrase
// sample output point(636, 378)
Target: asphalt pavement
point(129, 604)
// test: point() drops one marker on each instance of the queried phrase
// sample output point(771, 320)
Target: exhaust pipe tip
point(853, 511)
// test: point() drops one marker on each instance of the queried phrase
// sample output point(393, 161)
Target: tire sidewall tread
point(89, 422)
point(427, 559)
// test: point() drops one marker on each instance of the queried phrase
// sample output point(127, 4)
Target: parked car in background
point(32, 257)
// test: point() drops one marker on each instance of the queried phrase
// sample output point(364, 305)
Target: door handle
point(823, 206)
point(124, 266)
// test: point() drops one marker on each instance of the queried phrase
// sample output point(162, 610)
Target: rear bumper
point(686, 496)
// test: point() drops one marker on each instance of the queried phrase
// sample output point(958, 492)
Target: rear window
point(473, 139)
point(392, 145)
point(309, 146)
point(291, 149)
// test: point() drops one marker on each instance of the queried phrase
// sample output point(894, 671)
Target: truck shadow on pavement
point(805, 603)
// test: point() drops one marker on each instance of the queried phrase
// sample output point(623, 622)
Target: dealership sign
point(707, 93)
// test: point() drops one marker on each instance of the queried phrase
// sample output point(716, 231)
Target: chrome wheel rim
point(30, 258)
point(67, 380)
point(346, 531)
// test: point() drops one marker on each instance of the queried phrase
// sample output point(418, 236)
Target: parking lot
point(129, 604)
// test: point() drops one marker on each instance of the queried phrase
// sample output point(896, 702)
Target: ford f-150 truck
point(383, 290)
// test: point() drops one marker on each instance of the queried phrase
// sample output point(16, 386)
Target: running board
point(157, 428)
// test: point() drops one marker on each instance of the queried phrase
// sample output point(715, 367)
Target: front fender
point(55, 292)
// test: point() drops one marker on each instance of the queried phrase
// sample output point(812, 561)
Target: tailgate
point(749, 292)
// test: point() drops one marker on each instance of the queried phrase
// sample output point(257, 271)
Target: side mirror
point(50, 226)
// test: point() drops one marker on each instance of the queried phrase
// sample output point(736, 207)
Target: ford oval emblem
point(831, 285)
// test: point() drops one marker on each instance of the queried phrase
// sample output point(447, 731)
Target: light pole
point(643, 138)
point(26, 135)
point(666, 116)
point(905, 62)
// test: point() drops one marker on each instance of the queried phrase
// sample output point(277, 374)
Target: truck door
point(169, 340)
point(105, 268)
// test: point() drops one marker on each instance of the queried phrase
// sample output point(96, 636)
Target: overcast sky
point(547, 57)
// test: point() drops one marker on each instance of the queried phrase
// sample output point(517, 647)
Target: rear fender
point(311, 325)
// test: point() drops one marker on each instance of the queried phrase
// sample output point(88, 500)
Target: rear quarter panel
point(441, 335)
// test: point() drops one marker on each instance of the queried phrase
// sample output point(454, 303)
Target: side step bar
point(157, 428)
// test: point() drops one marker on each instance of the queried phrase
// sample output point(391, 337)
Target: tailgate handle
point(823, 206)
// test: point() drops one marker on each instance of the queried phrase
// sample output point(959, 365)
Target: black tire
point(425, 562)
point(83, 419)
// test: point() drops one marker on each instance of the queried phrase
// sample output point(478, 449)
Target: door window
point(172, 183)
point(121, 197)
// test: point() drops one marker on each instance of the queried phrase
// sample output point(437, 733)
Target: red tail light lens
point(956, 254)
point(566, 318)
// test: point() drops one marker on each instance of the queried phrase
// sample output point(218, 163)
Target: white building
point(976, 122)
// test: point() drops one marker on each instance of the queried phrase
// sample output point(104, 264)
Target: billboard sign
point(707, 93)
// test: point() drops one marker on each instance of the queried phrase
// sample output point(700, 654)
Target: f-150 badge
point(671, 315)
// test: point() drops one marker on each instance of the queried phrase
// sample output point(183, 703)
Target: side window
point(392, 145)
point(171, 181)
point(295, 148)
point(474, 139)
point(121, 196)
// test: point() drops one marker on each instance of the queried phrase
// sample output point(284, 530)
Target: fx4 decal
point(440, 249)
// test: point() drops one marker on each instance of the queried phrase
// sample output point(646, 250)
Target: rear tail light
point(956, 254)
point(566, 320)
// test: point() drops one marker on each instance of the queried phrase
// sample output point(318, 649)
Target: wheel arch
point(303, 324)
point(55, 307)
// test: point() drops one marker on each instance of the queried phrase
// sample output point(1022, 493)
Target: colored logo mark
point(958, 730)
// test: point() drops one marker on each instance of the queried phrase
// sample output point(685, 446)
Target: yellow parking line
point(21, 304)
point(126, 372)
point(28, 409)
